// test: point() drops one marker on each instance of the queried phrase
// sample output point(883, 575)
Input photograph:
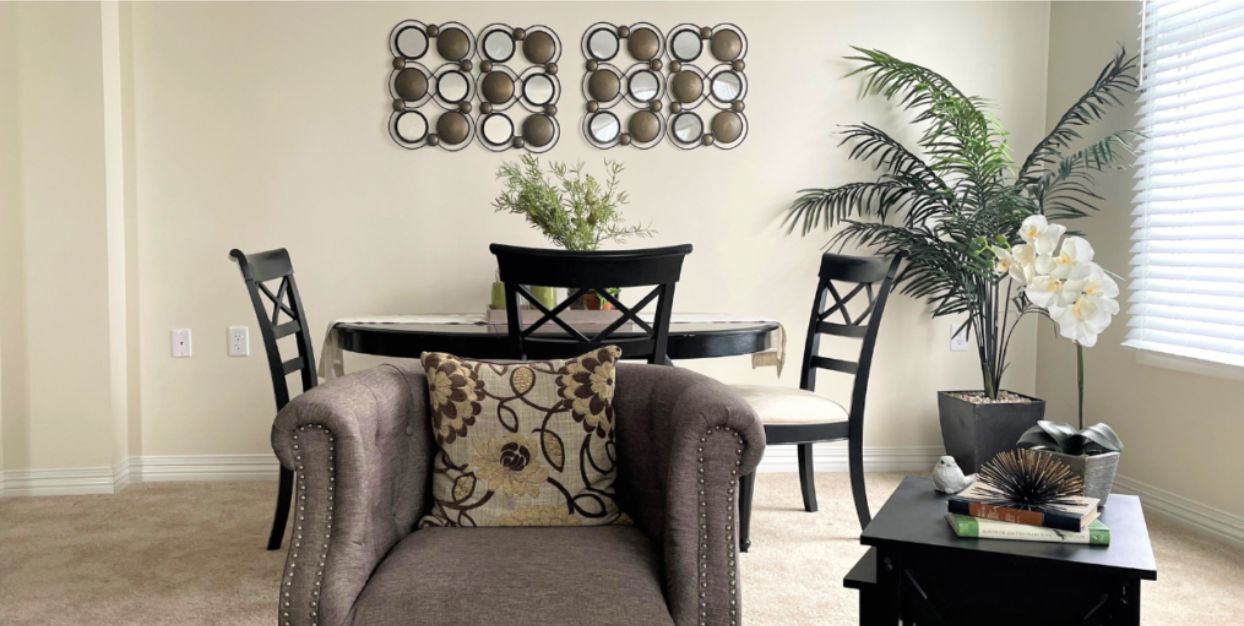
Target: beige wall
point(1182, 430)
point(263, 125)
point(58, 409)
point(12, 333)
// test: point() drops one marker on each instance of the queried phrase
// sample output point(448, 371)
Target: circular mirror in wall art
point(643, 86)
point(496, 131)
point(496, 43)
point(603, 129)
point(453, 87)
point(726, 86)
point(408, 129)
point(409, 40)
point(685, 43)
point(539, 90)
point(686, 129)
point(601, 42)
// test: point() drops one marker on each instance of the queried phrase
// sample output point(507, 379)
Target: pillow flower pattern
point(523, 443)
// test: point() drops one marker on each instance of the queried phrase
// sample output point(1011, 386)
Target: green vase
point(546, 295)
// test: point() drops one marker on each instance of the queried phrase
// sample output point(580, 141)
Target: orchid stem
point(1080, 379)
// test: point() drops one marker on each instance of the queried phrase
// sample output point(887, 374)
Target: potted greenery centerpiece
point(942, 203)
point(573, 209)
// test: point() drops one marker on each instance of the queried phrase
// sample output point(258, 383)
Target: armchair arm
point(683, 442)
point(361, 449)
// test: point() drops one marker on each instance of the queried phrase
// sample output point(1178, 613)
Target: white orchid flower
point(1086, 305)
point(1018, 262)
point(1090, 280)
point(1073, 252)
point(1085, 319)
point(1023, 263)
point(1043, 236)
point(1044, 290)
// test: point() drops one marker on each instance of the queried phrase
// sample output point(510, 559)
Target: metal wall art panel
point(497, 86)
point(643, 85)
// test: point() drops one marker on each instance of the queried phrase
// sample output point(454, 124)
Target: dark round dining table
point(689, 340)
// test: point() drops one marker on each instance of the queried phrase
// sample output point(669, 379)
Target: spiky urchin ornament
point(1029, 480)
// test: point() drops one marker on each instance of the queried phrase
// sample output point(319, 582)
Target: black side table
point(919, 572)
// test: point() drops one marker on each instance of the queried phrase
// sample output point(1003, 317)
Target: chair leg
point(807, 482)
point(747, 486)
point(284, 495)
point(855, 460)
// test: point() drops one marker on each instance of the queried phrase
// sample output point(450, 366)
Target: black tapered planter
point(973, 433)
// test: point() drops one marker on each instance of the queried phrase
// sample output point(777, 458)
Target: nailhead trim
point(703, 507)
point(300, 474)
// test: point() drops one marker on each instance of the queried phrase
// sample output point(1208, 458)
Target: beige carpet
point(193, 554)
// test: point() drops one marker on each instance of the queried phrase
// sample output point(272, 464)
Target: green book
point(1096, 533)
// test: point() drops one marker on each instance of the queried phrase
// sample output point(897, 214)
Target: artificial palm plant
point(960, 191)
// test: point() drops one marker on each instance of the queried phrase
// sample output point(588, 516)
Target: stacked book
point(973, 514)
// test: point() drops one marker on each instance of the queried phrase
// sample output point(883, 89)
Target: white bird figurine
point(948, 478)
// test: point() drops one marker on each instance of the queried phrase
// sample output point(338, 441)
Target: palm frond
point(1067, 191)
point(872, 145)
point(1117, 78)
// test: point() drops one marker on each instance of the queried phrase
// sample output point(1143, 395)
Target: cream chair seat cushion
point(790, 406)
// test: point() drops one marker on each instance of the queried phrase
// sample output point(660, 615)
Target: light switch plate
point(959, 342)
point(239, 341)
point(181, 343)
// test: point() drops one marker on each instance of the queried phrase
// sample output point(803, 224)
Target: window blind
point(1187, 282)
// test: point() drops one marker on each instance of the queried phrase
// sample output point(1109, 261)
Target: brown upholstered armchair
point(361, 448)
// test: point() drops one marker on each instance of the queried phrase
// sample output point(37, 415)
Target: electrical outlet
point(239, 341)
point(958, 338)
point(181, 343)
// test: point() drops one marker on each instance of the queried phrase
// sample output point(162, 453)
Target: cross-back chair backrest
point(269, 277)
point(582, 273)
point(850, 299)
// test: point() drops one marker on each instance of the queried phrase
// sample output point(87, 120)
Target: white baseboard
point(1216, 522)
point(60, 482)
point(137, 469)
point(832, 457)
point(151, 469)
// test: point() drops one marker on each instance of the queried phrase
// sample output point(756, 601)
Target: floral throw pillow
point(524, 443)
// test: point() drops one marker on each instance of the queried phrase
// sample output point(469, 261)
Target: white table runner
point(332, 358)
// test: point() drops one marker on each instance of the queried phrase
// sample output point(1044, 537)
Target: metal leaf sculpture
point(1026, 479)
point(1096, 439)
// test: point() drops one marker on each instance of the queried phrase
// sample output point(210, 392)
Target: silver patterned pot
point(1097, 470)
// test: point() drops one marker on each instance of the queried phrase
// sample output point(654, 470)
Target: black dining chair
point(258, 269)
point(581, 273)
point(803, 417)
